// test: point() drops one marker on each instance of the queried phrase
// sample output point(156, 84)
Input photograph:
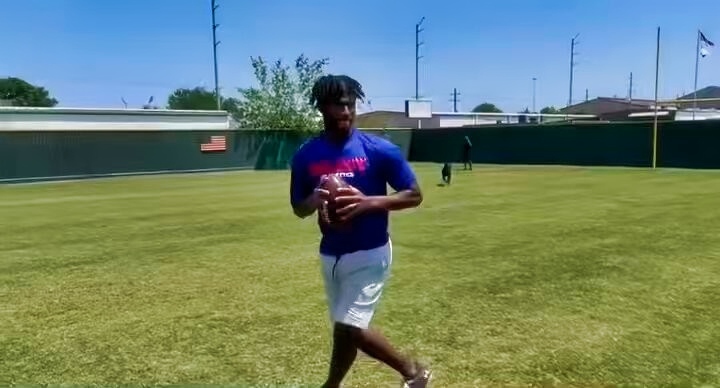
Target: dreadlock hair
point(330, 88)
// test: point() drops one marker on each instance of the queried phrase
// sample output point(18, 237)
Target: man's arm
point(313, 202)
point(301, 193)
point(404, 199)
point(402, 179)
point(353, 202)
point(398, 174)
point(304, 208)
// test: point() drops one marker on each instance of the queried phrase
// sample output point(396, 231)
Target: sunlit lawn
point(511, 276)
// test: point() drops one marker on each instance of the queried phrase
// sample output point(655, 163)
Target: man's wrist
point(311, 203)
point(378, 202)
point(396, 201)
point(306, 207)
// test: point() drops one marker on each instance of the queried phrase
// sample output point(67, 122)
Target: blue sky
point(90, 53)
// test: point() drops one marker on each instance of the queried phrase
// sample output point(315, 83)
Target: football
point(332, 183)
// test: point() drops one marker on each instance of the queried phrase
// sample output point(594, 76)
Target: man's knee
point(349, 332)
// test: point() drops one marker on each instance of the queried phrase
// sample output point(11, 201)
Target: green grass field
point(513, 276)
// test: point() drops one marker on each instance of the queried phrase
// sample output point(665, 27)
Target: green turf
point(512, 276)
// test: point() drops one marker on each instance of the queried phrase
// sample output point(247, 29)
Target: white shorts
point(354, 283)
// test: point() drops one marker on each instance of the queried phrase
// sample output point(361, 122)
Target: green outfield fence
point(681, 144)
point(49, 155)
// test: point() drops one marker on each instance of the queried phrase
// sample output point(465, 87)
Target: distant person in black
point(467, 150)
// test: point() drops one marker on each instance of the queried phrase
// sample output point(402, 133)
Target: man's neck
point(338, 137)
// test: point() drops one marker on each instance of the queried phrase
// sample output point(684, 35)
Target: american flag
point(706, 44)
point(217, 143)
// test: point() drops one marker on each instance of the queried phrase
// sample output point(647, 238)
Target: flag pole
point(697, 62)
point(655, 121)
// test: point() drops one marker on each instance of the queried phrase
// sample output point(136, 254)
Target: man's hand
point(318, 198)
point(315, 201)
point(351, 202)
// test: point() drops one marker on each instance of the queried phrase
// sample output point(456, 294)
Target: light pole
point(533, 105)
point(417, 56)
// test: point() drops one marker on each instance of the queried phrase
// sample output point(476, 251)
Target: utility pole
point(215, 44)
point(573, 43)
point(454, 99)
point(587, 95)
point(631, 90)
point(417, 56)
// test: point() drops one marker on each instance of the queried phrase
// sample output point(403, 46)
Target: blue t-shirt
point(367, 162)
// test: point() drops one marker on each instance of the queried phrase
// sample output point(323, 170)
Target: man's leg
point(375, 345)
point(362, 278)
point(343, 356)
point(347, 339)
point(343, 349)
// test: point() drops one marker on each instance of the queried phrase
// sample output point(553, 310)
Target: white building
point(78, 119)
point(678, 115)
point(395, 119)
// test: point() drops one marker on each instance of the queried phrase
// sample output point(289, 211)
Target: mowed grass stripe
point(511, 276)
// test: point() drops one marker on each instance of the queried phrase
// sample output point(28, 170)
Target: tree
point(22, 93)
point(231, 105)
point(282, 99)
point(549, 110)
point(487, 107)
point(199, 98)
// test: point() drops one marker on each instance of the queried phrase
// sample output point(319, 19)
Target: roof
point(706, 92)
point(398, 119)
point(616, 108)
point(107, 111)
point(604, 105)
point(387, 119)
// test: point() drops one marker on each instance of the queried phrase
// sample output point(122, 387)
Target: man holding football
point(355, 250)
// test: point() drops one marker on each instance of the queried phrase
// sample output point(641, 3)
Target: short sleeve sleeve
point(398, 172)
point(300, 186)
